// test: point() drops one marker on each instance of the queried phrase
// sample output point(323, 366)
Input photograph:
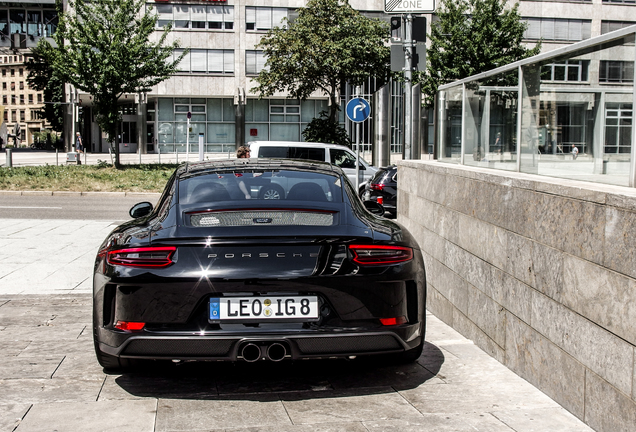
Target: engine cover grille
point(261, 217)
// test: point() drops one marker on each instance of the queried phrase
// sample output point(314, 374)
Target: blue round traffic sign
point(358, 110)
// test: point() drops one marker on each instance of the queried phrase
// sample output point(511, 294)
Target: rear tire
point(409, 356)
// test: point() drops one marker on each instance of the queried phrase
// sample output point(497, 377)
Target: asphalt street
point(51, 381)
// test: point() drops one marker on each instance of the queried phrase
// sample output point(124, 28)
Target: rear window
point(308, 153)
point(260, 185)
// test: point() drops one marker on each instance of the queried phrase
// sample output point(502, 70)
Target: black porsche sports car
point(257, 260)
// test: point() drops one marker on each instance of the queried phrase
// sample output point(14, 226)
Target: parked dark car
point(382, 188)
point(217, 271)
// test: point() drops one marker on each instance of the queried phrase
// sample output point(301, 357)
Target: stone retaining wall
point(539, 272)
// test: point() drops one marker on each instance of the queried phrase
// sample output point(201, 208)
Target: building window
point(30, 98)
point(4, 72)
point(207, 61)
point(254, 62)
point(50, 22)
point(610, 26)
point(12, 72)
point(21, 85)
point(263, 18)
point(21, 72)
point(4, 100)
point(214, 118)
point(6, 115)
point(555, 29)
point(17, 21)
point(185, 16)
point(21, 99)
point(14, 116)
point(22, 116)
point(618, 128)
point(4, 25)
point(39, 97)
point(12, 86)
point(616, 71)
point(13, 100)
point(568, 70)
point(4, 86)
point(620, 1)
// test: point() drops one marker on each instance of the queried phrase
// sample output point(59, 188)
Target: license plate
point(288, 308)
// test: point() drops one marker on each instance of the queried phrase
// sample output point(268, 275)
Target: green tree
point(104, 49)
point(328, 45)
point(470, 37)
point(42, 77)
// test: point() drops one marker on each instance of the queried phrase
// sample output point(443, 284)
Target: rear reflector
point(129, 326)
point(380, 200)
point(393, 321)
point(368, 255)
point(160, 256)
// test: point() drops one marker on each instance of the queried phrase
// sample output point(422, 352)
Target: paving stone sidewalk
point(51, 381)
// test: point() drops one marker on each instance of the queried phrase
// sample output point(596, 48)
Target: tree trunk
point(117, 163)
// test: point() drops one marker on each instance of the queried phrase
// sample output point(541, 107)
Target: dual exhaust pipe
point(274, 352)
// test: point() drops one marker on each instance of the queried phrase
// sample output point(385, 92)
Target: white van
point(338, 155)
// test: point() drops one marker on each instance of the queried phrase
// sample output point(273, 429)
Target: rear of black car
point(219, 272)
point(383, 189)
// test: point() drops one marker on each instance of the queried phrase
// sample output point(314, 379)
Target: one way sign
point(409, 6)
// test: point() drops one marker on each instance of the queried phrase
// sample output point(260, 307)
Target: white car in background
point(335, 154)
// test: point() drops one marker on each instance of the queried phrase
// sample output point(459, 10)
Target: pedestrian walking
point(79, 146)
point(575, 151)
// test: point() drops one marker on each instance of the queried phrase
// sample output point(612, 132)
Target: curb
point(72, 193)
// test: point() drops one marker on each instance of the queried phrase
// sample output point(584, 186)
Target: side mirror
point(374, 207)
point(140, 210)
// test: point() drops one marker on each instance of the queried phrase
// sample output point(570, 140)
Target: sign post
point(358, 110)
point(188, 136)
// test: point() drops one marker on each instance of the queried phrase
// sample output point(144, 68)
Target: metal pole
point(408, 85)
point(9, 162)
point(159, 152)
point(56, 157)
point(357, 147)
point(188, 141)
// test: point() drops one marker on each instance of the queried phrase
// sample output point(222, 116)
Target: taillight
point(160, 256)
point(129, 326)
point(380, 254)
point(377, 186)
point(393, 321)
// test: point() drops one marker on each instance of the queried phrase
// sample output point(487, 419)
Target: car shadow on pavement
point(222, 380)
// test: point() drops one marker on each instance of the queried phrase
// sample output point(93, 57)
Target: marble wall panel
point(542, 363)
point(439, 305)
point(521, 214)
point(619, 241)
point(547, 263)
point(519, 260)
point(604, 353)
point(601, 295)
point(607, 409)
point(483, 239)
point(487, 314)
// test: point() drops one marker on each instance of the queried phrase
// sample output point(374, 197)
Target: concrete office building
point(22, 25)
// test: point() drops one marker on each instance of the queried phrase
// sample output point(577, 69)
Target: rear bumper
point(297, 346)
